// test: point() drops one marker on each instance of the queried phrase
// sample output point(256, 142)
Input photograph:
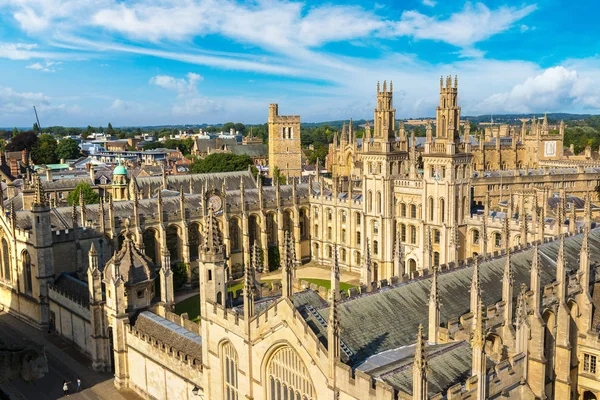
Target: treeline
point(43, 149)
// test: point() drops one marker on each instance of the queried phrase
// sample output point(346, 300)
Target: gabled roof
point(389, 317)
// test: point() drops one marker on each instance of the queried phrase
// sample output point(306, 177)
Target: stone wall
point(71, 320)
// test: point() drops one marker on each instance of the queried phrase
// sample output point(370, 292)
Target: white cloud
point(181, 86)
point(13, 102)
point(473, 24)
point(554, 89)
point(45, 67)
point(17, 51)
point(429, 3)
point(125, 106)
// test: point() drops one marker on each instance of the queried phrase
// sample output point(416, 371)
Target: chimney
point(24, 157)
point(92, 172)
point(48, 174)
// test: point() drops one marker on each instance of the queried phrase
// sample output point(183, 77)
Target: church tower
point(447, 180)
point(383, 162)
point(285, 152)
point(213, 276)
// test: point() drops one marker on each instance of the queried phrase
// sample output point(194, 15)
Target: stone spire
point(475, 287)
point(213, 244)
point(289, 266)
point(414, 162)
point(398, 256)
point(587, 211)
point(434, 308)
point(366, 275)
point(478, 349)
point(248, 290)
point(40, 199)
point(13, 216)
point(102, 215)
point(484, 235)
point(333, 323)
point(420, 387)
point(534, 280)
point(561, 271)
point(507, 299)
point(584, 263)
point(524, 222)
point(83, 213)
point(167, 294)
point(74, 214)
point(573, 218)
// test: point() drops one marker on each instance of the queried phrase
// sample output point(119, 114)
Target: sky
point(159, 62)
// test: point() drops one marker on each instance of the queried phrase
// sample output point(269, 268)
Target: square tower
point(285, 152)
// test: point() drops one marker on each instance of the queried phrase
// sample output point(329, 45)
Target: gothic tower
point(383, 161)
point(447, 180)
point(284, 143)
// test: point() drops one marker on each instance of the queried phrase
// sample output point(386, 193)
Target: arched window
point(436, 259)
point(357, 258)
point(234, 234)
point(329, 214)
point(442, 210)
point(343, 216)
point(475, 236)
point(343, 238)
point(358, 237)
point(402, 210)
point(413, 211)
point(436, 236)
point(316, 231)
point(375, 247)
point(358, 219)
point(343, 255)
point(497, 239)
point(431, 208)
point(375, 227)
point(412, 266)
point(5, 259)
point(288, 377)
point(329, 251)
point(26, 260)
point(379, 202)
point(402, 232)
point(413, 235)
point(370, 201)
point(230, 372)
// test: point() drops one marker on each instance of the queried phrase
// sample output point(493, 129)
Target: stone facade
point(501, 299)
point(284, 143)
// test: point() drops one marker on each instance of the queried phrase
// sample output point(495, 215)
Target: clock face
point(215, 202)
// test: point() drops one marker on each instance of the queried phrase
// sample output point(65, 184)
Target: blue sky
point(206, 61)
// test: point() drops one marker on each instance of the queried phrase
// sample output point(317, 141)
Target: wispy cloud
point(473, 24)
point(188, 101)
point(45, 67)
point(180, 85)
point(429, 3)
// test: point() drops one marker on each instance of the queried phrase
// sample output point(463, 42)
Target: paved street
point(64, 363)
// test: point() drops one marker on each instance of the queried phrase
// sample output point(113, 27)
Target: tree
point(44, 151)
point(89, 196)
point(15, 132)
point(278, 177)
point(23, 141)
point(109, 129)
point(221, 162)
point(67, 149)
point(36, 128)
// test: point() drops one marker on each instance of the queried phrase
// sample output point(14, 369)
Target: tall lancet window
point(288, 377)
point(230, 372)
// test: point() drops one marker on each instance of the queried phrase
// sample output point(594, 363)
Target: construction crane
point(38, 121)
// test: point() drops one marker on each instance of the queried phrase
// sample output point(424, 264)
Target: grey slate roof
point(447, 364)
point(389, 318)
point(170, 333)
point(252, 150)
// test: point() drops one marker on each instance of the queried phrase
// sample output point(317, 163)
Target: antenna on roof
point(38, 121)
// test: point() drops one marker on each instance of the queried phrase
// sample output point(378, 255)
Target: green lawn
point(191, 305)
point(326, 283)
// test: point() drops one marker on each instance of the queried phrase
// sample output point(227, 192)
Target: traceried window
point(402, 232)
point(413, 235)
point(27, 271)
point(497, 239)
point(475, 236)
point(413, 211)
point(375, 247)
point(403, 210)
point(358, 218)
point(436, 236)
point(230, 372)
point(288, 377)
point(436, 259)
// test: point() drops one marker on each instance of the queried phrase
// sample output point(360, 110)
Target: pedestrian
point(66, 388)
point(78, 385)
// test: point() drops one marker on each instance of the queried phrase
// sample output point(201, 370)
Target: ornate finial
point(420, 360)
point(40, 198)
point(212, 236)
